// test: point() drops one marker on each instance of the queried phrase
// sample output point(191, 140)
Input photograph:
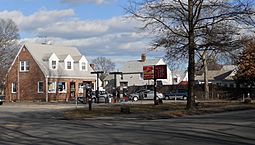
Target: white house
point(132, 72)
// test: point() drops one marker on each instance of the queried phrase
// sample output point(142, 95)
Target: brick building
point(42, 72)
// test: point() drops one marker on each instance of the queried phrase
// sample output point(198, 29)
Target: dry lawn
point(150, 111)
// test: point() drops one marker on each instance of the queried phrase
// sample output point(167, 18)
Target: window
point(24, 66)
point(14, 88)
point(81, 88)
point(69, 65)
point(83, 66)
point(54, 64)
point(62, 87)
point(40, 87)
point(52, 87)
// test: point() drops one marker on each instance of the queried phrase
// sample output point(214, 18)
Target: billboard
point(155, 71)
point(148, 72)
point(160, 72)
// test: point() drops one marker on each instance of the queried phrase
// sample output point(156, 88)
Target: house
point(180, 77)
point(42, 72)
point(221, 77)
point(132, 73)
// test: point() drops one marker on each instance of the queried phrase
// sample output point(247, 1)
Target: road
point(45, 124)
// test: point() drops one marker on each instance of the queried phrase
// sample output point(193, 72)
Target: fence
point(215, 92)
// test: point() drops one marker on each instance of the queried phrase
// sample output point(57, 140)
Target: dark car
point(2, 100)
point(177, 94)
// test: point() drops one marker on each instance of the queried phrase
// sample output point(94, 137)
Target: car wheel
point(135, 98)
point(167, 98)
point(1, 103)
point(184, 98)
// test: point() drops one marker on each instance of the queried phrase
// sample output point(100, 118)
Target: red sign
point(160, 72)
point(148, 72)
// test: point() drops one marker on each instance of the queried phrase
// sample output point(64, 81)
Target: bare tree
point(8, 46)
point(181, 25)
point(219, 40)
point(103, 64)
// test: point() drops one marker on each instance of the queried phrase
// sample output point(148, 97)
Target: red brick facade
point(27, 82)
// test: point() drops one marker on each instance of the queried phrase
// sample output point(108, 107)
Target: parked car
point(145, 95)
point(2, 100)
point(177, 94)
point(103, 97)
point(136, 95)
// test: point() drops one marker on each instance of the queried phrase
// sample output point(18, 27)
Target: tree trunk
point(206, 85)
point(191, 65)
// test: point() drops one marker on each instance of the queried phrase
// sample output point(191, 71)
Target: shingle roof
point(42, 52)
point(225, 73)
point(137, 65)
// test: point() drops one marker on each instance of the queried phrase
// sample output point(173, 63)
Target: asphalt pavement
point(43, 124)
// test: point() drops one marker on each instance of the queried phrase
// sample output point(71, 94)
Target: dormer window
point(53, 61)
point(54, 64)
point(69, 64)
point(83, 66)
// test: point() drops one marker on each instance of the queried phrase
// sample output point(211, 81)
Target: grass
point(150, 111)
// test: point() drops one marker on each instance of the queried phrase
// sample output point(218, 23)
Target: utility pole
point(155, 90)
point(97, 91)
point(115, 83)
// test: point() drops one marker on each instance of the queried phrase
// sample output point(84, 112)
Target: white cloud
point(116, 38)
point(39, 19)
point(86, 1)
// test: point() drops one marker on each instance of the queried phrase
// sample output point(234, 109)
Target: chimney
point(93, 66)
point(143, 57)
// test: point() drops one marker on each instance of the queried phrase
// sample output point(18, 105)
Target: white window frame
point(14, 91)
point(83, 64)
point(71, 65)
point(24, 66)
point(54, 87)
point(54, 67)
point(64, 87)
point(38, 87)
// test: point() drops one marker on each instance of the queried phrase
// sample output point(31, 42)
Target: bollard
point(90, 104)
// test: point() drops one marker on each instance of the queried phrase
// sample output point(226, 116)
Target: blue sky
point(96, 27)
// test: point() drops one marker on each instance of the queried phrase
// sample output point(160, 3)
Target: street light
point(97, 91)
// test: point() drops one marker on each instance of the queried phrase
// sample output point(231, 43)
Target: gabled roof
point(41, 53)
point(137, 65)
point(225, 73)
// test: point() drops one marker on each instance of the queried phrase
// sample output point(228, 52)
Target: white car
point(145, 95)
point(149, 94)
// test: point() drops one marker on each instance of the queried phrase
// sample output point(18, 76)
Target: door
point(72, 90)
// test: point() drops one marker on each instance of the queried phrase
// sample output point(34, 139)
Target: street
point(45, 124)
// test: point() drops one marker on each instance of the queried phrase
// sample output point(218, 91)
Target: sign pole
point(155, 91)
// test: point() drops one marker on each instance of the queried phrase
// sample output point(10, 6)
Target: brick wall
point(27, 82)
point(67, 96)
